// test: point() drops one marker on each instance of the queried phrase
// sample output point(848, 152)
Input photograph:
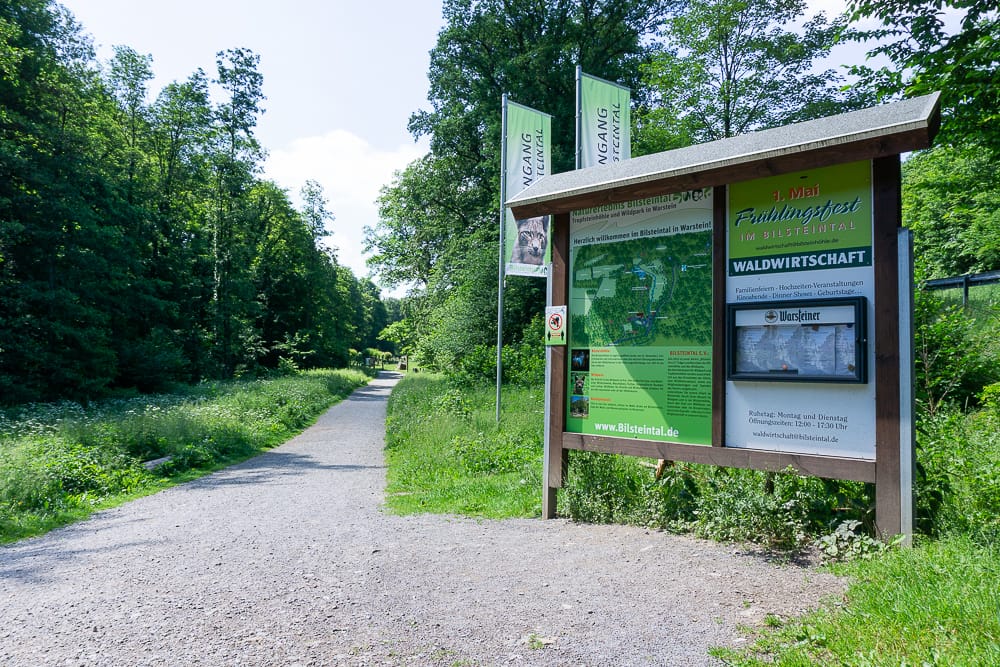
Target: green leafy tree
point(138, 244)
point(127, 83)
point(951, 200)
point(425, 216)
point(58, 237)
point(926, 57)
point(529, 49)
point(236, 160)
point(438, 219)
point(728, 67)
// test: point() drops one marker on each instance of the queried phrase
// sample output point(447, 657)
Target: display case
point(816, 340)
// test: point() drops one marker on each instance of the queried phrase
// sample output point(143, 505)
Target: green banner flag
point(527, 158)
point(604, 122)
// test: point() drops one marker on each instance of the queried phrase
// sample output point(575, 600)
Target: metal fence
point(964, 283)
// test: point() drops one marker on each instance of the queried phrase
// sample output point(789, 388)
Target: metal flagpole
point(503, 224)
point(579, 115)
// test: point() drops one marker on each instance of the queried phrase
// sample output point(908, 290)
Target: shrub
point(952, 353)
point(605, 488)
point(740, 505)
point(958, 486)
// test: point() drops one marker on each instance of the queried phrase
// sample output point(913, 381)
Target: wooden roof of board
point(889, 129)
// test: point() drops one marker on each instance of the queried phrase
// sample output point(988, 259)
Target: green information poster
point(640, 316)
point(801, 222)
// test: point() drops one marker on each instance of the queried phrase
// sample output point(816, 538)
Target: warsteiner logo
point(771, 317)
point(799, 316)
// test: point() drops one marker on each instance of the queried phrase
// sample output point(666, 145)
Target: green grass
point(936, 604)
point(60, 462)
point(446, 454)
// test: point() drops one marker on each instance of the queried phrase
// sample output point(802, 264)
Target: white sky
point(341, 78)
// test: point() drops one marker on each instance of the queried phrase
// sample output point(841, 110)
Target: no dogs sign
point(555, 325)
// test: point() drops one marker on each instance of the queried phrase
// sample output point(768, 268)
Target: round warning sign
point(555, 319)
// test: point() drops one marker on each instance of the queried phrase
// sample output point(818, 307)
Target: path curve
point(287, 559)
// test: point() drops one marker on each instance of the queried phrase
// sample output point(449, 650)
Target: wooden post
point(556, 456)
point(719, 253)
point(887, 212)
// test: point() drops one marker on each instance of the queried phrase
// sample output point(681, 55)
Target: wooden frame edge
point(859, 470)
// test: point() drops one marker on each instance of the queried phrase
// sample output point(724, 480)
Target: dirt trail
point(287, 559)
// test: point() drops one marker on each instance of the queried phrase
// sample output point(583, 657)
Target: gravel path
point(287, 559)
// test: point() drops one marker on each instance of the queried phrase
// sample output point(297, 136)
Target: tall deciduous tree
point(926, 57)
point(951, 199)
point(58, 240)
point(430, 209)
point(138, 244)
point(439, 217)
point(236, 162)
point(728, 67)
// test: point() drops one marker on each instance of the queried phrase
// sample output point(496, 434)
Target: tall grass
point(59, 462)
point(446, 453)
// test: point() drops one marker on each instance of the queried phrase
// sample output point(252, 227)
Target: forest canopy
point(139, 243)
point(699, 70)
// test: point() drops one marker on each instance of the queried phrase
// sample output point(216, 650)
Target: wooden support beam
point(887, 212)
point(557, 454)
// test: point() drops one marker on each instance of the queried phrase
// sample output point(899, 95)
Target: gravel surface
point(287, 559)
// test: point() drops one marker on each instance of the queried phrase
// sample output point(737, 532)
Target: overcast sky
point(341, 79)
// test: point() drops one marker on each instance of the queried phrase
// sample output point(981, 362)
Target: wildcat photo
point(531, 241)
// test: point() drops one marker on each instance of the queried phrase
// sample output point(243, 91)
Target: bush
point(523, 366)
point(958, 486)
point(777, 510)
point(605, 488)
point(952, 352)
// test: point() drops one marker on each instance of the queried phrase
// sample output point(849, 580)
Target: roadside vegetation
point(61, 461)
point(446, 454)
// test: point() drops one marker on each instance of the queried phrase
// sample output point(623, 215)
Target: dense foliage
point(728, 67)
point(951, 200)
point(926, 56)
point(438, 219)
point(138, 243)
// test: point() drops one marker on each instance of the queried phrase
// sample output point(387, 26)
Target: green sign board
point(605, 124)
point(527, 158)
point(802, 221)
point(641, 319)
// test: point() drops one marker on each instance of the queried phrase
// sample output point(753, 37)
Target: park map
point(643, 292)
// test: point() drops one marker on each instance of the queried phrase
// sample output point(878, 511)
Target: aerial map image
point(648, 291)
